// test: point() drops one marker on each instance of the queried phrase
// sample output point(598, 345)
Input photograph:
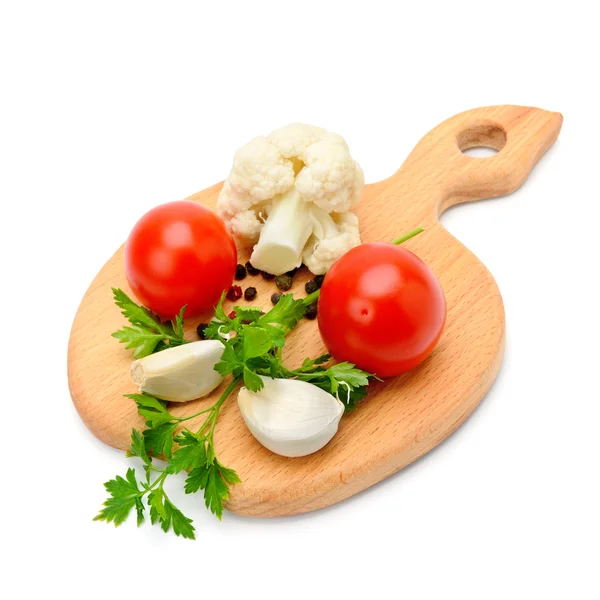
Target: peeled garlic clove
point(179, 374)
point(291, 418)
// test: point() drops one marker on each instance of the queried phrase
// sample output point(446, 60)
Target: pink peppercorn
point(234, 293)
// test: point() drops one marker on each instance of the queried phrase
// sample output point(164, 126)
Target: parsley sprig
point(253, 343)
point(195, 453)
point(147, 333)
point(255, 350)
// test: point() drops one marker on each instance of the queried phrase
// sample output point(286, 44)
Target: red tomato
point(381, 308)
point(177, 254)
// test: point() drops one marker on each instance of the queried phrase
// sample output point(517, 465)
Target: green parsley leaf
point(138, 337)
point(147, 333)
point(230, 361)
point(342, 379)
point(351, 400)
point(348, 373)
point(138, 447)
point(247, 313)
point(310, 363)
point(214, 479)
point(159, 440)
point(257, 342)
point(229, 475)
point(276, 334)
point(220, 314)
point(252, 381)
point(181, 524)
point(286, 313)
point(191, 453)
point(156, 502)
point(178, 325)
point(152, 409)
point(124, 494)
point(196, 479)
point(139, 509)
point(216, 491)
point(136, 314)
point(215, 330)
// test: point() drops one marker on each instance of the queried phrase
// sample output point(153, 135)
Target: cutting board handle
point(446, 176)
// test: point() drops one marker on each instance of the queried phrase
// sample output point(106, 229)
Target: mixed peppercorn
point(250, 293)
point(282, 282)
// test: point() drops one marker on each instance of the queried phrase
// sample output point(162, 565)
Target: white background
point(109, 108)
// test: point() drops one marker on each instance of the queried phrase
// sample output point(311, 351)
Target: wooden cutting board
point(404, 417)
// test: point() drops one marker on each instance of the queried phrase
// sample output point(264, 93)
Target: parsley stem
point(217, 405)
point(181, 419)
point(160, 479)
point(409, 235)
point(312, 297)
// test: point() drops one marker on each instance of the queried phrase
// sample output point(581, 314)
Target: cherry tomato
point(381, 308)
point(177, 254)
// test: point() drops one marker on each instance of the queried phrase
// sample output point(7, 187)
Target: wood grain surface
point(404, 417)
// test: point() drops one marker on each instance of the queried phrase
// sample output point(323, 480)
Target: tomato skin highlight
point(381, 308)
point(179, 253)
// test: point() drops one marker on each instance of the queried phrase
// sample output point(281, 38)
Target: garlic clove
point(289, 417)
point(180, 374)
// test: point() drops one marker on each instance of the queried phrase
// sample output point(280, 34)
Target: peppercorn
point(319, 280)
point(267, 276)
point(311, 286)
point(292, 272)
point(251, 269)
point(284, 282)
point(311, 311)
point(275, 298)
point(200, 330)
point(234, 293)
point(250, 293)
point(240, 272)
point(232, 315)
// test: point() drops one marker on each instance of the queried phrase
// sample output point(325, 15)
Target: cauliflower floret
point(260, 171)
point(280, 192)
point(242, 214)
point(293, 140)
point(246, 226)
point(333, 236)
point(331, 178)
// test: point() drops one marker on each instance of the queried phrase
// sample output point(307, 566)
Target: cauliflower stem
point(284, 235)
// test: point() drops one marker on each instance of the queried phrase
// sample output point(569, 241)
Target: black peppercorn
point(311, 311)
point(292, 272)
point(250, 293)
point(251, 269)
point(319, 280)
point(240, 272)
point(267, 276)
point(311, 286)
point(200, 330)
point(284, 282)
point(275, 298)
point(234, 293)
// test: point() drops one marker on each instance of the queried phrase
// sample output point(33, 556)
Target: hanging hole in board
point(482, 140)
